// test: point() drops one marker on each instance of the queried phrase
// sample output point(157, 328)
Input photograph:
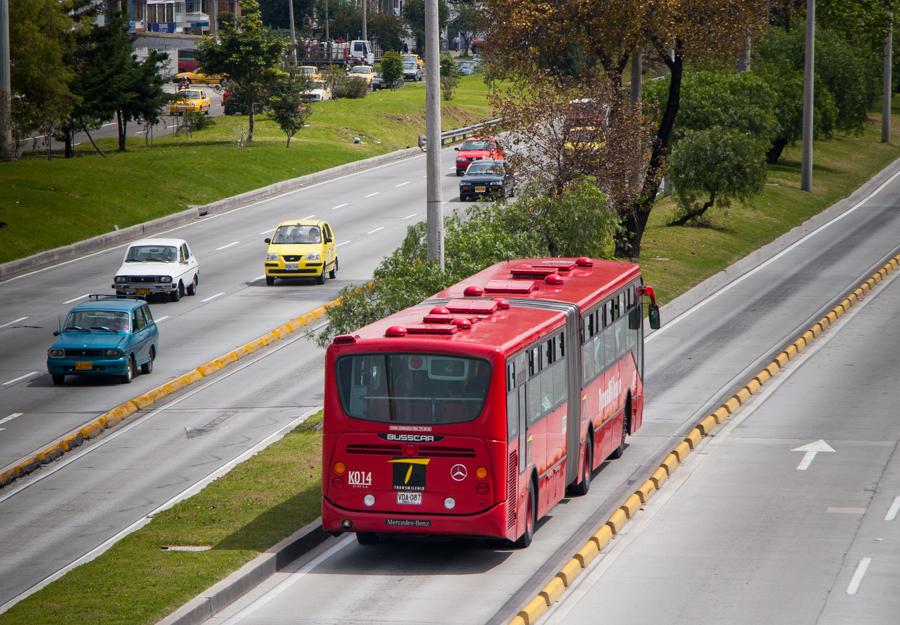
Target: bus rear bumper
point(490, 523)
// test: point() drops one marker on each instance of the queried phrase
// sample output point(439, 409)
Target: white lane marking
point(227, 245)
point(857, 578)
point(20, 378)
point(75, 299)
point(410, 216)
point(14, 415)
point(378, 229)
point(334, 208)
point(768, 262)
point(257, 278)
point(344, 243)
point(810, 452)
point(289, 580)
point(373, 194)
point(209, 218)
point(9, 323)
point(212, 297)
point(163, 318)
point(402, 184)
point(836, 510)
point(267, 231)
point(895, 508)
point(307, 217)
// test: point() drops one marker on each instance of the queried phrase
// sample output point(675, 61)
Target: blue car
point(106, 335)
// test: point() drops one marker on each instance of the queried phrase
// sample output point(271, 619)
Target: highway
point(696, 359)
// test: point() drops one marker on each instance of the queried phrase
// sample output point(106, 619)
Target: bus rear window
point(413, 388)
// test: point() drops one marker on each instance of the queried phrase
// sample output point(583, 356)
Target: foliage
point(414, 14)
point(353, 87)
point(465, 22)
point(193, 121)
point(345, 20)
point(289, 110)
point(713, 166)
point(576, 224)
point(391, 68)
point(388, 30)
point(275, 13)
point(449, 76)
point(145, 95)
point(247, 52)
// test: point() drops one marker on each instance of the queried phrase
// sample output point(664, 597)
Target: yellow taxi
point(192, 77)
point(301, 249)
point(366, 72)
point(311, 71)
point(189, 101)
point(414, 57)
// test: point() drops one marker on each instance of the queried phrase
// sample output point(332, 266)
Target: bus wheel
point(582, 488)
point(626, 421)
point(367, 538)
point(530, 520)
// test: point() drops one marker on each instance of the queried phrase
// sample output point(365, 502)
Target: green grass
point(52, 203)
point(239, 515)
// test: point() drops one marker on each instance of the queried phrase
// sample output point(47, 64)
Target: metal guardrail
point(457, 134)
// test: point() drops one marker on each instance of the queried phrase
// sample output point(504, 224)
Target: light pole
point(888, 81)
point(7, 149)
point(293, 34)
point(214, 19)
point(434, 213)
point(365, 32)
point(808, 90)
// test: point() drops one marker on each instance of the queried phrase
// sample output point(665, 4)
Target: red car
point(476, 149)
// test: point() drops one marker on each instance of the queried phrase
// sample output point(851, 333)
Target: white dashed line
point(378, 229)
point(267, 231)
point(402, 184)
point(14, 321)
point(307, 217)
point(895, 508)
point(163, 318)
point(20, 378)
point(75, 299)
point(344, 243)
point(373, 194)
point(334, 208)
point(212, 297)
point(227, 245)
point(14, 415)
point(410, 216)
point(861, 569)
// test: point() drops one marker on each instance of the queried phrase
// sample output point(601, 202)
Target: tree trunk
point(775, 151)
point(288, 142)
point(69, 144)
point(122, 125)
point(97, 149)
point(250, 120)
point(628, 242)
point(697, 212)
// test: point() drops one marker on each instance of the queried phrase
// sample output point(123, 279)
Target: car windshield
point(584, 135)
point(152, 254)
point(476, 145)
point(189, 95)
point(297, 234)
point(97, 321)
point(409, 65)
point(413, 388)
point(360, 70)
point(495, 169)
point(308, 70)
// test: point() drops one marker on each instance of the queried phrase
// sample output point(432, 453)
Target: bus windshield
point(413, 388)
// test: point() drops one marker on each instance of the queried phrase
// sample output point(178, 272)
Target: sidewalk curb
point(102, 242)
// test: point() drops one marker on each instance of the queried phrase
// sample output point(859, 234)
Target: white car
point(158, 267)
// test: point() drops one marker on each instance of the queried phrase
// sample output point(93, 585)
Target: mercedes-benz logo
point(458, 472)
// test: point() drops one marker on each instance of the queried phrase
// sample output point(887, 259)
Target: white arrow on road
point(810, 451)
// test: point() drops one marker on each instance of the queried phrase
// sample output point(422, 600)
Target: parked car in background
point(163, 267)
point(466, 68)
point(301, 249)
point(310, 70)
point(379, 83)
point(194, 76)
point(486, 178)
point(362, 71)
point(412, 71)
point(317, 92)
point(106, 335)
point(418, 60)
point(477, 149)
point(189, 101)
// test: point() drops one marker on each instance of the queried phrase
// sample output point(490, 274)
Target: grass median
point(50, 203)
point(271, 495)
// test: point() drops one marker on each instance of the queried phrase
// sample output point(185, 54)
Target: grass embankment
point(52, 203)
point(271, 495)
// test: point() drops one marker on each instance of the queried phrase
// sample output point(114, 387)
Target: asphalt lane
point(691, 362)
point(369, 211)
point(751, 529)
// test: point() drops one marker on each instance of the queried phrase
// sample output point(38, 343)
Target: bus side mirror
point(654, 316)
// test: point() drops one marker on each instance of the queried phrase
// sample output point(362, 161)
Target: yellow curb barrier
point(535, 608)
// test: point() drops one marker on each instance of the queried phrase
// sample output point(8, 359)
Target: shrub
point(391, 68)
point(355, 88)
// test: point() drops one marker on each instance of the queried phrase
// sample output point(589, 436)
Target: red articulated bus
point(471, 413)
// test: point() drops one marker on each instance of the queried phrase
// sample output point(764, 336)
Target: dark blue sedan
point(107, 335)
point(486, 178)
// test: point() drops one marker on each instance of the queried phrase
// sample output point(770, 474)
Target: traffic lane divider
point(550, 593)
point(123, 411)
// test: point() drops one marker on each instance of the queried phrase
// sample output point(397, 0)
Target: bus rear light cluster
point(410, 450)
point(482, 488)
point(481, 473)
point(369, 500)
point(449, 503)
point(339, 468)
point(337, 482)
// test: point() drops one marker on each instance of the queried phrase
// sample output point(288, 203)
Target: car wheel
point(130, 371)
point(58, 378)
point(333, 273)
point(270, 280)
point(192, 287)
point(147, 367)
point(320, 279)
point(178, 293)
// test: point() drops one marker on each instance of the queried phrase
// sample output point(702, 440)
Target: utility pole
point(214, 19)
point(7, 149)
point(365, 32)
point(808, 84)
point(888, 81)
point(327, 40)
point(293, 34)
point(434, 213)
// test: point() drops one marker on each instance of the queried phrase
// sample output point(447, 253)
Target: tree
point(465, 22)
point(711, 167)
point(414, 14)
point(388, 30)
point(449, 76)
point(391, 68)
point(289, 110)
point(248, 53)
point(572, 39)
point(275, 13)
